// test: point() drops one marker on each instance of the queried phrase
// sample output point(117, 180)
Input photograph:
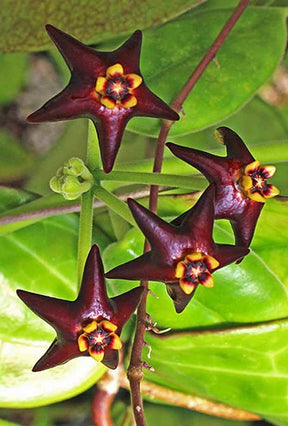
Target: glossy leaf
point(245, 367)
point(247, 59)
point(40, 258)
point(12, 76)
point(16, 162)
point(255, 290)
point(163, 415)
point(86, 21)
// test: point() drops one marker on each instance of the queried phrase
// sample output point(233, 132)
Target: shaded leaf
point(24, 30)
point(245, 367)
point(254, 291)
point(12, 198)
point(247, 59)
point(41, 258)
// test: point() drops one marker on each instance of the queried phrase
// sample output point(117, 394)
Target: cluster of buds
point(72, 180)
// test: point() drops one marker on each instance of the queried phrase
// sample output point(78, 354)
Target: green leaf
point(6, 423)
point(254, 291)
point(39, 258)
point(24, 30)
point(163, 415)
point(12, 198)
point(245, 367)
point(247, 59)
point(16, 162)
point(12, 76)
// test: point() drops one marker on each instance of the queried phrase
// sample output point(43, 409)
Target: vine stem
point(135, 373)
point(86, 212)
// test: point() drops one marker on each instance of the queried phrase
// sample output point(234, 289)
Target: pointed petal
point(129, 53)
point(57, 312)
point(227, 254)
point(108, 326)
point(93, 295)
point(111, 358)
point(134, 80)
point(255, 196)
point(96, 354)
point(235, 146)
point(268, 171)
point(57, 354)
point(83, 343)
point(271, 191)
point(199, 221)
point(125, 305)
point(187, 287)
point(145, 267)
point(180, 299)
point(252, 167)
point(108, 102)
point(214, 168)
point(115, 342)
point(78, 56)
point(115, 70)
point(129, 101)
point(101, 84)
point(63, 106)
point(110, 130)
point(244, 225)
point(150, 105)
point(158, 232)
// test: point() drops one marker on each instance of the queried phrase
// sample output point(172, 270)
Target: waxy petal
point(180, 269)
point(246, 182)
point(129, 101)
point(96, 354)
point(115, 70)
point(101, 84)
point(236, 148)
point(252, 167)
point(255, 196)
point(58, 353)
point(134, 80)
point(115, 342)
point(89, 328)
point(108, 326)
point(83, 343)
point(271, 191)
point(186, 286)
point(211, 262)
point(207, 281)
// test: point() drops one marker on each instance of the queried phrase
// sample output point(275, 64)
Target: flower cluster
point(108, 88)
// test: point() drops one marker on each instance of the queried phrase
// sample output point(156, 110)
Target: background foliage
point(230, 344)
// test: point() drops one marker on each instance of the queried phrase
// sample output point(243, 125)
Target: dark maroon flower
point(106, 87)
point(239, 180)
point(181, 256)
point(89, 325)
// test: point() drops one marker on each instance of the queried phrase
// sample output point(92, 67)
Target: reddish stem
point(135, 373)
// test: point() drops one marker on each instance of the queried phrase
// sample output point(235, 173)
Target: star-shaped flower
point(240, 181)
point(91, 324)
point(106, 87)
point(181, 256)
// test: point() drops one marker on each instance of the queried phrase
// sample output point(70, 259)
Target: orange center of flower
point(97, 337)
point(117, 88)
point(253, 182)
point(195, 269)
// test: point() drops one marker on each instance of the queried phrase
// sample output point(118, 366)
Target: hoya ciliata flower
point(106, 87)
point(181, 256)
point(240, 182)
point(90, 325)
